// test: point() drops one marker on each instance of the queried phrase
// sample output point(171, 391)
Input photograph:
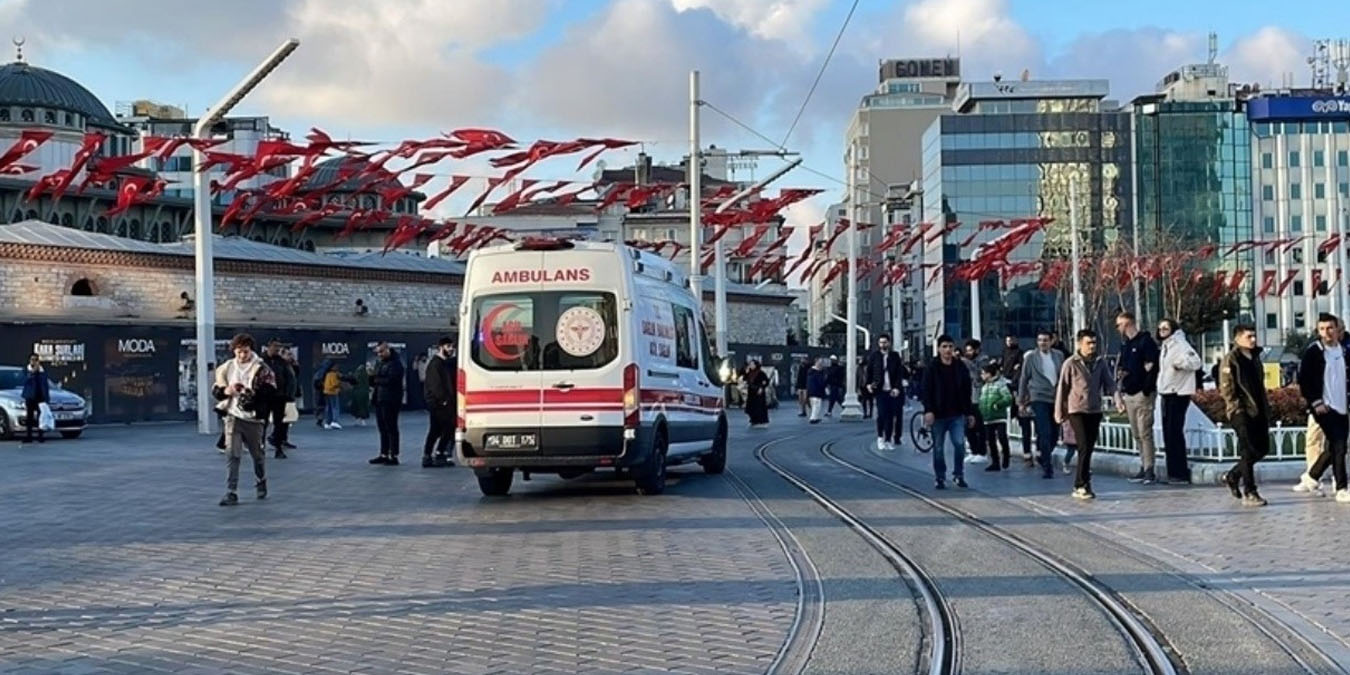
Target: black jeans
point(386, 418)
point(1174, 408)
point(441, 432)
point(1085, 426)
point(996, 435)
point(1335, 428)
point(890, 411)
point(868, 405)
point(975, 434)
point(280, 429)
point(32, 412)
point(1253, 439)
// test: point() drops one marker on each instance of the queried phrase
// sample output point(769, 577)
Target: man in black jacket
point(386, 396)
point(439, 391)
point(803, 369)
point(885, 380)
point(1243, 390)
point(1322, 377)
point(286, 392)
point(947, 409)
point(836, 377)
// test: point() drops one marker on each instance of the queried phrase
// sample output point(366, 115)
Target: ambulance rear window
point(556, 330)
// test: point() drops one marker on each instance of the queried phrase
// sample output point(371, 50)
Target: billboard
point(138, 377)
point(1294, 108)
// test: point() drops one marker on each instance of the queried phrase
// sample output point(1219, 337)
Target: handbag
point(46, 420)
point(292, 413)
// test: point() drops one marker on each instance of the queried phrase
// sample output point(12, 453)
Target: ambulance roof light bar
point(544, 244)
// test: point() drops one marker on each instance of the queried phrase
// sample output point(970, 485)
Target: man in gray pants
point(246, 390)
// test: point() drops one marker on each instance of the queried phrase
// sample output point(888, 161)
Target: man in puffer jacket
point(1177, 367)
point(246, 389)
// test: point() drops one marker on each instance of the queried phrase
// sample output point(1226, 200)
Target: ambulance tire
point(715, 462)
point(651, 476)
point(496, 483)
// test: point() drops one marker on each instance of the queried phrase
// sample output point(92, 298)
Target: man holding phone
point(245, 388)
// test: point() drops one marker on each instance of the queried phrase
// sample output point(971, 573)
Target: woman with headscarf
point(1177, 365)
point(756, 395)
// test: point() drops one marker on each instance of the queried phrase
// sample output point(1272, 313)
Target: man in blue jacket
point(387, 398)
point(36, 391)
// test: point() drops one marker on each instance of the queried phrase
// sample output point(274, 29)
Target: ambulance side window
point(709, 368)
point(685, 354)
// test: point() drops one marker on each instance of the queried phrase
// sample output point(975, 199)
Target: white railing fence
point(1216, 444)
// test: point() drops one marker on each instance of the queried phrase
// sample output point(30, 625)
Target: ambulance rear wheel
point(651, 476)
point(715, 462)
point(496, 483)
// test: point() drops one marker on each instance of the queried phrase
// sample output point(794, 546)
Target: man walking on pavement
point(36, 391)
point(1085, 383)
point(803, 369)
point(885, 376)
point(1322, 377)
point(387, 398)
point(1137, 375)
point(975, 434)
point(1011, 370)
point(1036, 396)
point(287, 391)
point(245, 388)
point(439, 390)
point(837, 382)
point(1243, 390)
point(947, 409)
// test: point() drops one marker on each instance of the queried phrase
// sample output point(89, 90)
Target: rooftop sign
point(1268, 108)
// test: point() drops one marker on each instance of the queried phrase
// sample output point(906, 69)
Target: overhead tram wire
point(821, 73)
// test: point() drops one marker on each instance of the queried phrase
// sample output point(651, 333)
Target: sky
point(560, 69)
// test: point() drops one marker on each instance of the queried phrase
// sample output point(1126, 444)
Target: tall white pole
point(204, 230)
point(1078, 310)
point(852, 409)
point(695, 176)
point(1341, 260)
point(976, 327)
point(897, 319)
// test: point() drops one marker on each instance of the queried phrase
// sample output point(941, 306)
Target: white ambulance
point(576, 356)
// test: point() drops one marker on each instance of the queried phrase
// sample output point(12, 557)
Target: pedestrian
point(1243, 390)
point(947, 410)
point(756, 395)
point(37, 390)
point(803, 401)
point(970, 356)
point(1012, 374)
point(245, 388)
point(286, 393)
point(1178, 365)
point(1059, 345)
point(387, 398)
point(1137, 387)
point(1036, 396)
point(332, 394)
point(438, 388)
point(837, 382)
point(1322, 377)
point(1085, 382)
point(817, 387)
point(995, 400)
point(360, 381)
point(865, 397)
point(884, 379)
point(320, 401)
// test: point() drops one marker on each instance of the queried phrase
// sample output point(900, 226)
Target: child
point(995, 399)
point(332, 392)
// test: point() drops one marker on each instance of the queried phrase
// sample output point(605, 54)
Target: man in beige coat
point(1085, 383)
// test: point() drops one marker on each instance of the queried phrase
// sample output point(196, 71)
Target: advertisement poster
point(138, 378)
point(66, 362)
point(187, 370)
point(331, 351)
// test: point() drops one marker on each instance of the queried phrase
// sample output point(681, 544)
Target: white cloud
point(1134, 60)
point(1267, 55)
point(785, 20)
point(987, 38)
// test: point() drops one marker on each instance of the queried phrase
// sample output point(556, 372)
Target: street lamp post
point(201, 200)
point(852, 409)
point(695, 177)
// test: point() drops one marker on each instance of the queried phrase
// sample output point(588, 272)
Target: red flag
point(1289, 279)
point(512, 200)
point(29, 140)
point(48, 182)
point(127, 193)
point(1267, 283)
point(455, 183)
point(1235, 283)
point(492, 184)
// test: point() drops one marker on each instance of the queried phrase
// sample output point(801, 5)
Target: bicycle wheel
point(922, 435)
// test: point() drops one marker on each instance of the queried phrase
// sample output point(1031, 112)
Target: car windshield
point(13, 379)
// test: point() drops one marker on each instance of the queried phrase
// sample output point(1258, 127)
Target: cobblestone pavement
point(1288, 558)
point(115, 558)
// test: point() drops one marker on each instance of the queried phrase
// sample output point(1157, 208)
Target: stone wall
point(42, 289)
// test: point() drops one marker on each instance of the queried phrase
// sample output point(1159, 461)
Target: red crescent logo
point(487, 337)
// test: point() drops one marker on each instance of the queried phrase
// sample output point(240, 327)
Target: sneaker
point(335, 425)
point(443, 460)
point(1343, 496)
point(1253, 498)
point(1029, 460)
point(220, 445)
point(1310, 486)
point(230, 499)
point(1178, 481)
point(881, 444)
point(1006, 461)
point(1150, 477)
point(993, 466)
point(1139, 477)
point(889, 446)
point(961, 482)
point(427, 462)
point(262, 490)
point(941, 484)
point(1084, 493)
point(1231, 480)
point(976, 459)
point(392, 461)
point(815, 421)
point(1068, 469)
point(382, 459)
point(280, 454)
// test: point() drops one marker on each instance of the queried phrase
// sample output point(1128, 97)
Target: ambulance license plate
point(512, 441)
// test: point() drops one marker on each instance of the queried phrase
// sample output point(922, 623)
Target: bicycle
point(920, 433)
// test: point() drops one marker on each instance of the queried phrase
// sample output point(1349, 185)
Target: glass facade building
point(1012, 159)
